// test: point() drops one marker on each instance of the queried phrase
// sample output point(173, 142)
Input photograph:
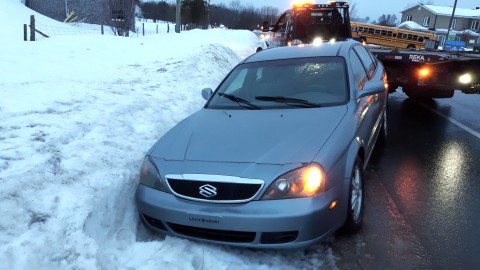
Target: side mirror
point(372, 88)
point(207, 93)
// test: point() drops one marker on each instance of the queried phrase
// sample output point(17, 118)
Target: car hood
point(250, 136)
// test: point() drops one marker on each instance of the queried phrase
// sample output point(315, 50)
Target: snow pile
point(77, 115)
point(412, 26)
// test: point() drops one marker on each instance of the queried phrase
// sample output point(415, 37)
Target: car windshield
point(289, 83)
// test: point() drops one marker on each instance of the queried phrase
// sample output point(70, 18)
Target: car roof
point(288, 52)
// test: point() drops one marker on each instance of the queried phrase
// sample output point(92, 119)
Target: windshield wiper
point(240, 101)
point(294, 101)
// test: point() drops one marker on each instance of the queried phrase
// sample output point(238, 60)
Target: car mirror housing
point(207, 93)
point(372, 88)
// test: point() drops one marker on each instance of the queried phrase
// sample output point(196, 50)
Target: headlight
point(465, 78)
point(150, 176)
point(303, 182)
point(317, 41)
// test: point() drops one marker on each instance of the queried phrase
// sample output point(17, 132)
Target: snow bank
point(77, 115)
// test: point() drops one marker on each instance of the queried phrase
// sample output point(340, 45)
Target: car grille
point(216, 235)
point(223, 235)
point(214, 191)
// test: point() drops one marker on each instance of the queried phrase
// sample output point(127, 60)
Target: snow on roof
point(459, 12)
point(412, 25)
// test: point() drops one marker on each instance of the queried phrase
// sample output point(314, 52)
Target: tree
point(387, 20)
point(120, 16)
point(269, 13)
point(235, 5)
point(195, 11)
point(249, 18)
point(353, 11)
point(158, 11)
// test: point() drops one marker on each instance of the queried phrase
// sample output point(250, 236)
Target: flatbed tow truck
point(420, 73)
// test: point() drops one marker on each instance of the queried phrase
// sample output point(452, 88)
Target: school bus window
point(389, 33)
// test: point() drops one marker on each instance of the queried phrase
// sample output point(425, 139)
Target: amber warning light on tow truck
point(424, 72)
point(299, 3)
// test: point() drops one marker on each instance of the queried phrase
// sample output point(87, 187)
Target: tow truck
point(420, 73)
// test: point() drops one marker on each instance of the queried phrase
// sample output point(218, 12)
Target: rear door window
point(359, 73)
point(367, 60)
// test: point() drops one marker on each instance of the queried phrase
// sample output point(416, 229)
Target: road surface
point(422, 190)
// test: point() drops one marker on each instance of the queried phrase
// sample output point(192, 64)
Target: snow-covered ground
point(77, 114)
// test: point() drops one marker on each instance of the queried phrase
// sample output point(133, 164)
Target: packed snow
point(77, 115)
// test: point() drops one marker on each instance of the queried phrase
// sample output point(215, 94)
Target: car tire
point(354, 220)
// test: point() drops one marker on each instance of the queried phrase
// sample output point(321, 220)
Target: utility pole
point(66, 8)
point(451, 20)
point(178, 19)
point(208, 14)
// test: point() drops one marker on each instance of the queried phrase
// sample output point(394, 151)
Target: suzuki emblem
point(208, 190)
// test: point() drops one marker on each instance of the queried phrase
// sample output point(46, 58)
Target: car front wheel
point(355, 199)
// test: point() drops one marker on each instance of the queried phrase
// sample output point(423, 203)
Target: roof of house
point(412, 25)
point(447, 11)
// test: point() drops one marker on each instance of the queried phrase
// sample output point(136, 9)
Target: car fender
point(356, 149)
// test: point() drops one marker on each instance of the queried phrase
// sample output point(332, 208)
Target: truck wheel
point(362, 40)
point(355, 199)
point(411, 46)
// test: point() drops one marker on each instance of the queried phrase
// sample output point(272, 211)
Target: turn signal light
point(424, 72)
point(333, 204)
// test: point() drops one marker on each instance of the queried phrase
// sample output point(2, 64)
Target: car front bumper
point(290, 223)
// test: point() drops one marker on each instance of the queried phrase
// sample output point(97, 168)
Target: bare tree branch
point(121, 17)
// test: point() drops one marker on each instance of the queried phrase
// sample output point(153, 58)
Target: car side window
point(359, 73)
point(367, 60)
point(282, 23)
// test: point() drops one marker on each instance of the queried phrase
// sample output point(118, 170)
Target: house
point(91, 11)
point(436, 19)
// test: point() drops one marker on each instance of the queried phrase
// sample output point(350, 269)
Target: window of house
point(441, 40)
point(426, 21)
point(409, 18)
point(454, 23)
point(474, 25)
point(118, 15)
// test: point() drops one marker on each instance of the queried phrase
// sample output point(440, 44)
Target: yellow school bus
point(390, 36)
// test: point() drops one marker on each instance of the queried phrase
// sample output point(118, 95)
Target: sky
point(372, 9)
point(76, 122)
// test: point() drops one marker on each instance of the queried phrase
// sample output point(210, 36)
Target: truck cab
point(306, 22)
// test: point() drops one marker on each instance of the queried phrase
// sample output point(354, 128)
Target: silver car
point(276, 157)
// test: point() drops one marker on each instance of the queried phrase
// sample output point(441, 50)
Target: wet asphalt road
point(422, 190)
